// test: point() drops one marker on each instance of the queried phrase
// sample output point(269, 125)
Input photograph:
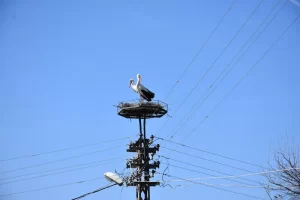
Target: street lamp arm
point(98, 190)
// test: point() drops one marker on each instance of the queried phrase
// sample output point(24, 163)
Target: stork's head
point(138, 76)
point(130, 82)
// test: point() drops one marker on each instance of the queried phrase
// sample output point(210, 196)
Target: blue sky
point(65, 64)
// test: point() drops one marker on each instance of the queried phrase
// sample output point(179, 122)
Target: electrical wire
point(205, 151)
point(50, 187)
point(194, 156)
point(66, 149)
point(248, 72)
point(194, 58)
point(204, 184)
point(51, 170)
point(207, 169)
point(61, 172)
point(60, 160)
point(226, 185)
point(196, 171)
point(245, 175)
point(199, 51)
point(193, 109)
point(244, 75)
point(212, 65)
point(12, 177)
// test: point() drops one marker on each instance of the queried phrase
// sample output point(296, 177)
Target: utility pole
point(143, 161)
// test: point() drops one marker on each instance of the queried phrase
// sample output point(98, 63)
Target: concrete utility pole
point(143, 162)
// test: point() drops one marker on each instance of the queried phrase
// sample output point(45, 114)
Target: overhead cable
point(205, 159)
point(199, 51)
point(199, 102)
point(61, 159)
point(243, 175)
point(238, 83)
point(199, 172)
point(208, 152)
point(204, 184)
point(54, 186)
point(227, 185)
point(60, 172)
point(179, 161)
point(13, 177)
point(212, 65)
point(194, 58)
point(66, 149)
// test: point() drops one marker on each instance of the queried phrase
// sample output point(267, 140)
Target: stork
point(141, 90)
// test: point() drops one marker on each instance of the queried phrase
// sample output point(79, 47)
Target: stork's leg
point(141, 99)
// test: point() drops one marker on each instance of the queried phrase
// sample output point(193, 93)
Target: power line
point(242, 78)
point(191, 170)
point(25, 179)
point(192, 110)
point(229, 177)
point(199, 51)
point(206, 168)
point(194, 58)
point(215, 154)
point(246, 73)
point(66, 149)
point(12, 177)
point(60, 160)
point(244, 175)
point(249, 186)
point(204, 184)
point(54, 186)
point(205, 159)
point(226, 185)
point(212, 65)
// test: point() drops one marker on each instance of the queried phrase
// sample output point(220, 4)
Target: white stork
point(140, 89)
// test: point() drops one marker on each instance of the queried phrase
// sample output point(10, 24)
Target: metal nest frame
point(135, 110)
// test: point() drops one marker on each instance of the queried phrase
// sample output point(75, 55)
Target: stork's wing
point(142, 87)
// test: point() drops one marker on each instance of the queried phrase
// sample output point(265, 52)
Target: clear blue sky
point(64, 64)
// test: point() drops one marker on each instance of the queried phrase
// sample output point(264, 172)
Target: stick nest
point(136, 109)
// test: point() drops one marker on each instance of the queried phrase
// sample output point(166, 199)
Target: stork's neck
point(138, 81)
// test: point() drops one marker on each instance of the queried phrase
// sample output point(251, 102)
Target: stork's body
point(141, 90)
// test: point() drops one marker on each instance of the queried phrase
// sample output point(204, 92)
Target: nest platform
point(136, 109)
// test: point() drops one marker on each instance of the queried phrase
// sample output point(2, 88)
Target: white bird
point(141, 90)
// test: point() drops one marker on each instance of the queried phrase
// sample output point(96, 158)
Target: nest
point(143, 104)
point(137, 110)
